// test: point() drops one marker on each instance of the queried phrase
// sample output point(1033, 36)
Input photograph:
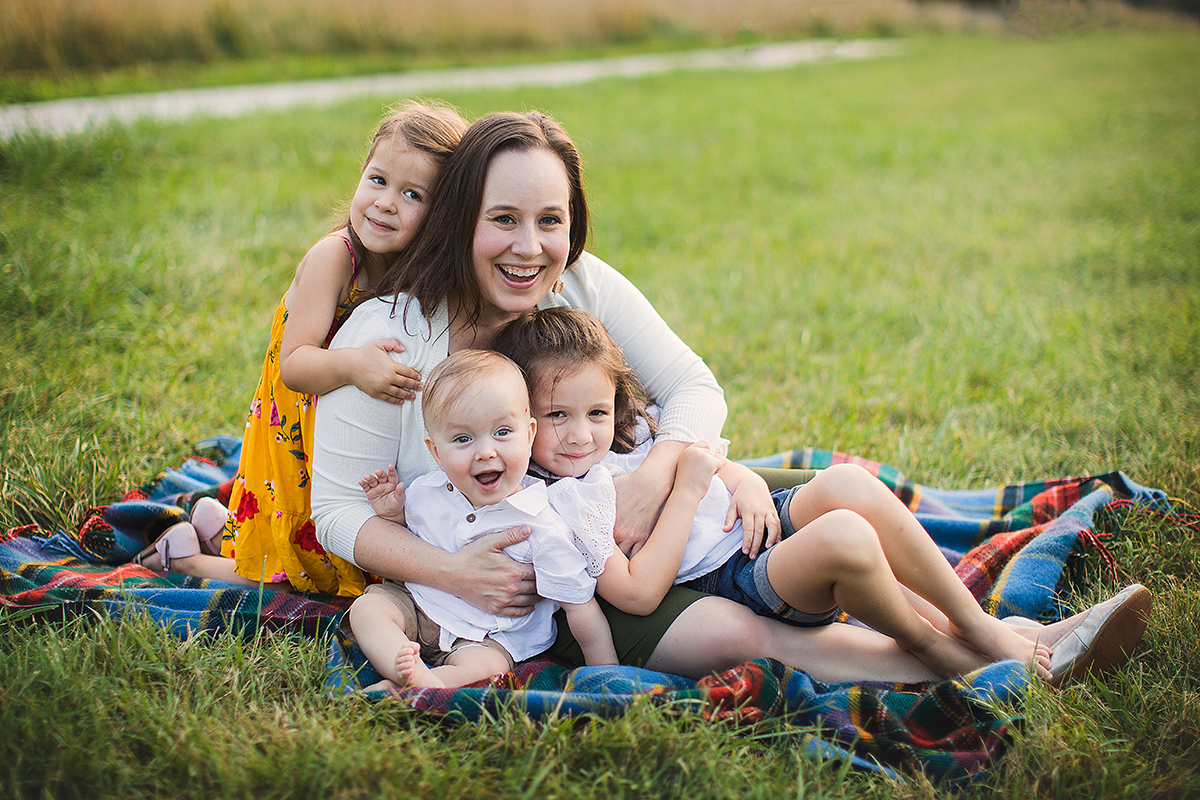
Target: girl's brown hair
point(427, 128)
point(438, 262)
point(549, 343)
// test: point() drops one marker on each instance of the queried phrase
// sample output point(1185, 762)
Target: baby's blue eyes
point(463, 438)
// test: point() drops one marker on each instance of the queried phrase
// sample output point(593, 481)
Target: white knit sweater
point(355, 434)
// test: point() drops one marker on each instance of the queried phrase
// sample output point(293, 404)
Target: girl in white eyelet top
point(584, 400)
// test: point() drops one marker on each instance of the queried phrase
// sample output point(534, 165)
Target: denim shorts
point(745, 581)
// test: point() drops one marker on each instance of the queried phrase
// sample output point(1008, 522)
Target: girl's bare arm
point(637, 585)
point(322, 282)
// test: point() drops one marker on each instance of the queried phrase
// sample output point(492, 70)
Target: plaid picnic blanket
point(1010, 545)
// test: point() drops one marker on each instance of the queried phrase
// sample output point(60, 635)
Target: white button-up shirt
point(440, 514)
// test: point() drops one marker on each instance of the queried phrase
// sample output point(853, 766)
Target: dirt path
point(61, 117)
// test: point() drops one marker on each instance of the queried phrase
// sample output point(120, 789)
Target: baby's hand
point(697, 465)
point(376, 374)
point(385, 494)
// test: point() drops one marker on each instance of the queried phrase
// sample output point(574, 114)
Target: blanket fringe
point(1089, 538)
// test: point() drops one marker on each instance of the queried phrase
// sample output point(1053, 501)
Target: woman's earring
point(558, 287)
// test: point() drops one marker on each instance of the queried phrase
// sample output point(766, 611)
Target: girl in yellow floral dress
point(268, 532)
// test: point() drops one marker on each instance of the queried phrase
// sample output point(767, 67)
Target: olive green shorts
point(635, 637)
point(777, 478)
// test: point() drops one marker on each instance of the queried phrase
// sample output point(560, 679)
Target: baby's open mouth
point(488, 479)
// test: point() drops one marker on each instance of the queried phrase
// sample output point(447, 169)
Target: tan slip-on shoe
point(1104, 638)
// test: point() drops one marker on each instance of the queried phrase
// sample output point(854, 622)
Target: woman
point(509, 215)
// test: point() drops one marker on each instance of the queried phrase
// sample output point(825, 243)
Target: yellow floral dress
point(269, 532)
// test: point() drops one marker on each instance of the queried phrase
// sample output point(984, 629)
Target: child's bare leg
point(837, 560)
point(218, 568)
point(378, 625)
point(715, 634)
point(465, 665)
point(1047, 634)
point(914, 559)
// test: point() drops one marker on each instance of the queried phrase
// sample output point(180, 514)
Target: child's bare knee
point(838, 527)
point(846, 538)
point(855, 482)
point(369, 608)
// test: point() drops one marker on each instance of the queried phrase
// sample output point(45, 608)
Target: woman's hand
point(376, 374)
point(641, 494)
point(491, 581)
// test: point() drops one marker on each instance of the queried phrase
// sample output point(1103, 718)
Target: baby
point(480, 433)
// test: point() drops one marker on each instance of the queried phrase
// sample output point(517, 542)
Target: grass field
point(979, 262)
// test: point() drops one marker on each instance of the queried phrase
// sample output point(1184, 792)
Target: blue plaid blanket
point(1010, 546)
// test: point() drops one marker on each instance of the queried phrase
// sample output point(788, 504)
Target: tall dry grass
point(49, 35)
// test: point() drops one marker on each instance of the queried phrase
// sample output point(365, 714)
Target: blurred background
point(143, 43)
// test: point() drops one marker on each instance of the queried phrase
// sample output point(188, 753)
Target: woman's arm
point(481, 573)
point(690, 400)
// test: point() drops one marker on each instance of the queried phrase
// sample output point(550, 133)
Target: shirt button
point(470, 517)
point(449, 487)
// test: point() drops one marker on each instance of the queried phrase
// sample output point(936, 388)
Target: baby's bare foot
point(413, 671)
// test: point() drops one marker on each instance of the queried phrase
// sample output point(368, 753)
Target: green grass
point(979, 262)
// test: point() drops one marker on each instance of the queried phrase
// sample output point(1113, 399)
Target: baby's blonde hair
point(461, 371)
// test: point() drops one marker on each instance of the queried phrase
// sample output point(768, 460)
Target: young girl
point(268, 531)
point(842, 541)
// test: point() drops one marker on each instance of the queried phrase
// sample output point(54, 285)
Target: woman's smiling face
point(522, 236)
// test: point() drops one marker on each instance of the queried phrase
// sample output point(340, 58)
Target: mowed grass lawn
point(978, 262)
